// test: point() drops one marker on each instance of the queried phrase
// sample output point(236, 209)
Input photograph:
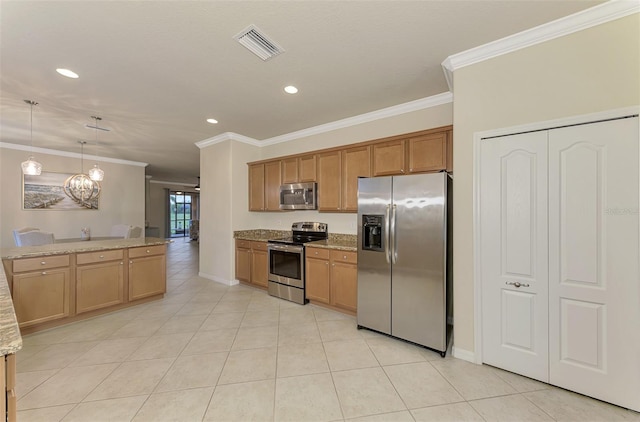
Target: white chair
point(34, 238)
point(135, 232)
point(18, 231)
point(121, 230)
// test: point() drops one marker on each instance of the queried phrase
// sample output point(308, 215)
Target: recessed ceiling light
point(212, 121)
point(68, 73)
point(290, 89)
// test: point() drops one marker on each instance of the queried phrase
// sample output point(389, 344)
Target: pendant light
point(197, 187)
point(96, 173)
point(31, 167)
point(80, 187)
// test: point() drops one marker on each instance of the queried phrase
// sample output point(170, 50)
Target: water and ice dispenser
point(373, 232)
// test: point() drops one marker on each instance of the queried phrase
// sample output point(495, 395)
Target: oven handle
point(285, 248)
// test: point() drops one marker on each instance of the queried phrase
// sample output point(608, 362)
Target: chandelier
point(80, 187)
point(31, 167)
point(96, 173)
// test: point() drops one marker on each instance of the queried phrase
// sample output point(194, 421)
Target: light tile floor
point(207, 352)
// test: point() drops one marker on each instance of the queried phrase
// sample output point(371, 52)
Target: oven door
point(286, 264)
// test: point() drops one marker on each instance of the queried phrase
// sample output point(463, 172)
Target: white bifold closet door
point(594, 307)
point(513, 210)
point(560, 217)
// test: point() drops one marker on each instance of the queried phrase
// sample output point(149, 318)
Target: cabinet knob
point(101, 256)
point(44, 273)
point(43, 262)
point(130, 262)
point(148, 251)
point(344, 256)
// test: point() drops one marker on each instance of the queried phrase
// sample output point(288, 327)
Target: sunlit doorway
point(181, 212)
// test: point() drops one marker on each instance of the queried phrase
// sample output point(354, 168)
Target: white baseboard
point(218, 279)
point(463, 354)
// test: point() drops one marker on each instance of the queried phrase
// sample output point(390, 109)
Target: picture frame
point(46, 192)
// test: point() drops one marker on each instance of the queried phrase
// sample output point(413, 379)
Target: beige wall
point(224, 181)
point(223, 206)
point(589, 71)
point(122, 199)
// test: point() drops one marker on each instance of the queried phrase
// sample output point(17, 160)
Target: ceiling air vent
point(258, 43)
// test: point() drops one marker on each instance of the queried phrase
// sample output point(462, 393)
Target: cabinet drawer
point(317, 253)
point(241, 243)
point(344, 256)
point(100, 256)
point(35, 264)
point(146, 251)
point(259, 246)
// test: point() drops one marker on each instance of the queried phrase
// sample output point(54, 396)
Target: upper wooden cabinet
point(389, 158)
point(356, 162)
point(256, 187)
point(329, 181)
point(428, 153)
point(272, 177)
point(336, 170)
point(264, 186)
point(290, 170)
point(307, 168)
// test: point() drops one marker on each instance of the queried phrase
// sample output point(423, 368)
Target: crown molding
point(162, 182)
point(421, 104)
point(597, 15)
point(71, 154)
point(228, 136)
point(427, 102)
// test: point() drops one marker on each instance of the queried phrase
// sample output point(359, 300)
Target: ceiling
point(155, 70)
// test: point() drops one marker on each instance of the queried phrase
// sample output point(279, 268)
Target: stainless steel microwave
point(298, 196)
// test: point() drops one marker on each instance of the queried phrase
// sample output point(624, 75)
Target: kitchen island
point(10, 343)
point(60, 283)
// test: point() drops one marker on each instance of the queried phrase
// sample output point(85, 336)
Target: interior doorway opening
point(182, 213)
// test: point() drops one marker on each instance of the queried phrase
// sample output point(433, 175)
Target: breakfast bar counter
point(55, 284)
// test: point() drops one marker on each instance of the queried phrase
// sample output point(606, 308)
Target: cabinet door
point(259, 267)
point(256, 187)
point(389, 158)
point(41, 296)
point(99, 286)
point(243, 264)
point(307, 168)
point(344, 285)
point(329, 181)
point(147, 277)
point(290, 170)
point(356, 162)
point(317, 280)
point(272, 185)
point(428, 153)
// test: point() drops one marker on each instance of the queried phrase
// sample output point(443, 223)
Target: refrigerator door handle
point(394, 242)
point(387, 252)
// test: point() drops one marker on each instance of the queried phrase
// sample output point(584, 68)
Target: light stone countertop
point(10, 339)
point(78, 247)
point(343, 242)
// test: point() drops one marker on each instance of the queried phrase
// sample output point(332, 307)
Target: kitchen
point(506, 79)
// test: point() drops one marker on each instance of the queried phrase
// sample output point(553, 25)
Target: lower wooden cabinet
point(8, 400)
point(99, 280)
point(147, 271)
point(332, 278)
point(252, 264)
point(41, 296)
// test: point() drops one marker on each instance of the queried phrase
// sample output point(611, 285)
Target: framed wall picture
point(46, 192)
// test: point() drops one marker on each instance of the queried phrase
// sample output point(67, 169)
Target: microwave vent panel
point(258, 43)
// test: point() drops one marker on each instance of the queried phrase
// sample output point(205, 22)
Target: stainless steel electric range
point(286, 261)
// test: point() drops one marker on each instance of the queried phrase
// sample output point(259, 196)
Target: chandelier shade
point(80, 187)
point(31, 167)
point(96, 173)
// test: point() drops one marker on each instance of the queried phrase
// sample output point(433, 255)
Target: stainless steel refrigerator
point(404, 271)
